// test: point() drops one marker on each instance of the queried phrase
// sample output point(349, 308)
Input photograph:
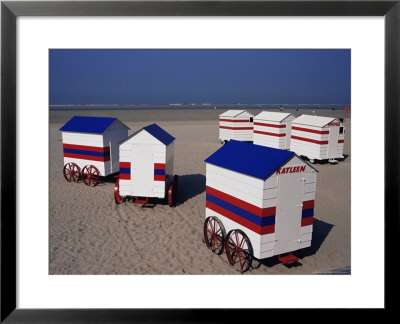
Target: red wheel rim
point(117, 197)
point(90, 175)
point(173, 187)
point(239, 250)
point(71, 172)
point(214, 234)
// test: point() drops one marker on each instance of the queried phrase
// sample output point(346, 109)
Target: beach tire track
point(123, 220)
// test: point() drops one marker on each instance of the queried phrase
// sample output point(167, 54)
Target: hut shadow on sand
point(189, 186)
point(321, 230)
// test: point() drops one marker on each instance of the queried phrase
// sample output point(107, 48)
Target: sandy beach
point(90, 234)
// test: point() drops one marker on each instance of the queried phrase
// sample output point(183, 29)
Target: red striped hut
point(146, 163)
point(317, 138)
point(259, 203)
point(272, 129)
point(236, 124)
point(90, 147)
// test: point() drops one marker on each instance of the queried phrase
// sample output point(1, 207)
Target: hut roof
point(249, 159)
point(86, 124)
point(155, 131)
point(310, 120)
point(234, 113)
point(272, 116)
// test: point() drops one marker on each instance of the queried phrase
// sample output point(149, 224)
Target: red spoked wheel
point(239, 250)
point(90, 175)
point(72, 172)
point(214, 234)
point(172, 191)
point(117, 197)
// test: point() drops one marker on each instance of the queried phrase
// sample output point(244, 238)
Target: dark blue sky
point(199, 76)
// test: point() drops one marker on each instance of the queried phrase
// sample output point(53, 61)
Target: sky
point(168, 76)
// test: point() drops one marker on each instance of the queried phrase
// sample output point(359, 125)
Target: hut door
point(333, 141)
point(142, 171)
point(288, 216)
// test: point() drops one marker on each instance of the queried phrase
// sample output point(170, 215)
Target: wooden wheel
point(118, 199)
point(72, 172)
point(90, 175)
point(172, 191)
point(239, 250)
point(214, 234)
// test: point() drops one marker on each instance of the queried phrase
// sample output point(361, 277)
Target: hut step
point(143, 200)
point(287, 259)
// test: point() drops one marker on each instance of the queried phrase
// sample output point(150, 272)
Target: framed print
point(36, 289)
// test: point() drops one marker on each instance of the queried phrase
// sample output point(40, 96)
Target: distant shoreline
point(194, 107)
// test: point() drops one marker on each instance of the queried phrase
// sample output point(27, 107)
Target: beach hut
point(146, 161)
point(90, 147)
point(272, 129)
point(259, 203)
point(317, 138)
point(236, 124)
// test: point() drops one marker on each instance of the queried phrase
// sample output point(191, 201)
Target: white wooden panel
point(309, 187)
point(308, 196)
point(143, 137)
point(266, 254)
point(306, 229)
point(254, 197)
point(305, 237)
point(83, 136)
point(313, 136)
point(310, 177)
point(318, 128)
point(245, 179)
point(270, 193)
point(304, 244)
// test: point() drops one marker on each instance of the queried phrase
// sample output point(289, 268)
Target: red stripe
point(125, 176)
point(308, 204)
point(340, 141)
point(262, 212)
point(307, 221)
point(270, 134)
point(159, 177)
point(236, 128)
point(309, 130)
point(87, 148)
point(244, 222)
point(160, 166)
point(309, 140)
point(124, 165)
point(270, 125)
point(235, 120)
point(87, 157)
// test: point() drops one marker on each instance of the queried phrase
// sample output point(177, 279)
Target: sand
point(90, 234)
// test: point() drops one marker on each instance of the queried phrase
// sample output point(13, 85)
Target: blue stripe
point(159, 172)
point(83, 152)
point(125, 170)
point(260, 221)
point(307, 213)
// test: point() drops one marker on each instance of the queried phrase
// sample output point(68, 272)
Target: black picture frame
point(10, 10)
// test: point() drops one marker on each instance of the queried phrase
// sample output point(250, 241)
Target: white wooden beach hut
point(272, 129)
point(317, 138)
point(236, 124)
point(90, 147)
point(146, 166)
point(259, 202)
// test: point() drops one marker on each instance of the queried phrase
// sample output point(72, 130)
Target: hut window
point(341, 130)
point(251, 119)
